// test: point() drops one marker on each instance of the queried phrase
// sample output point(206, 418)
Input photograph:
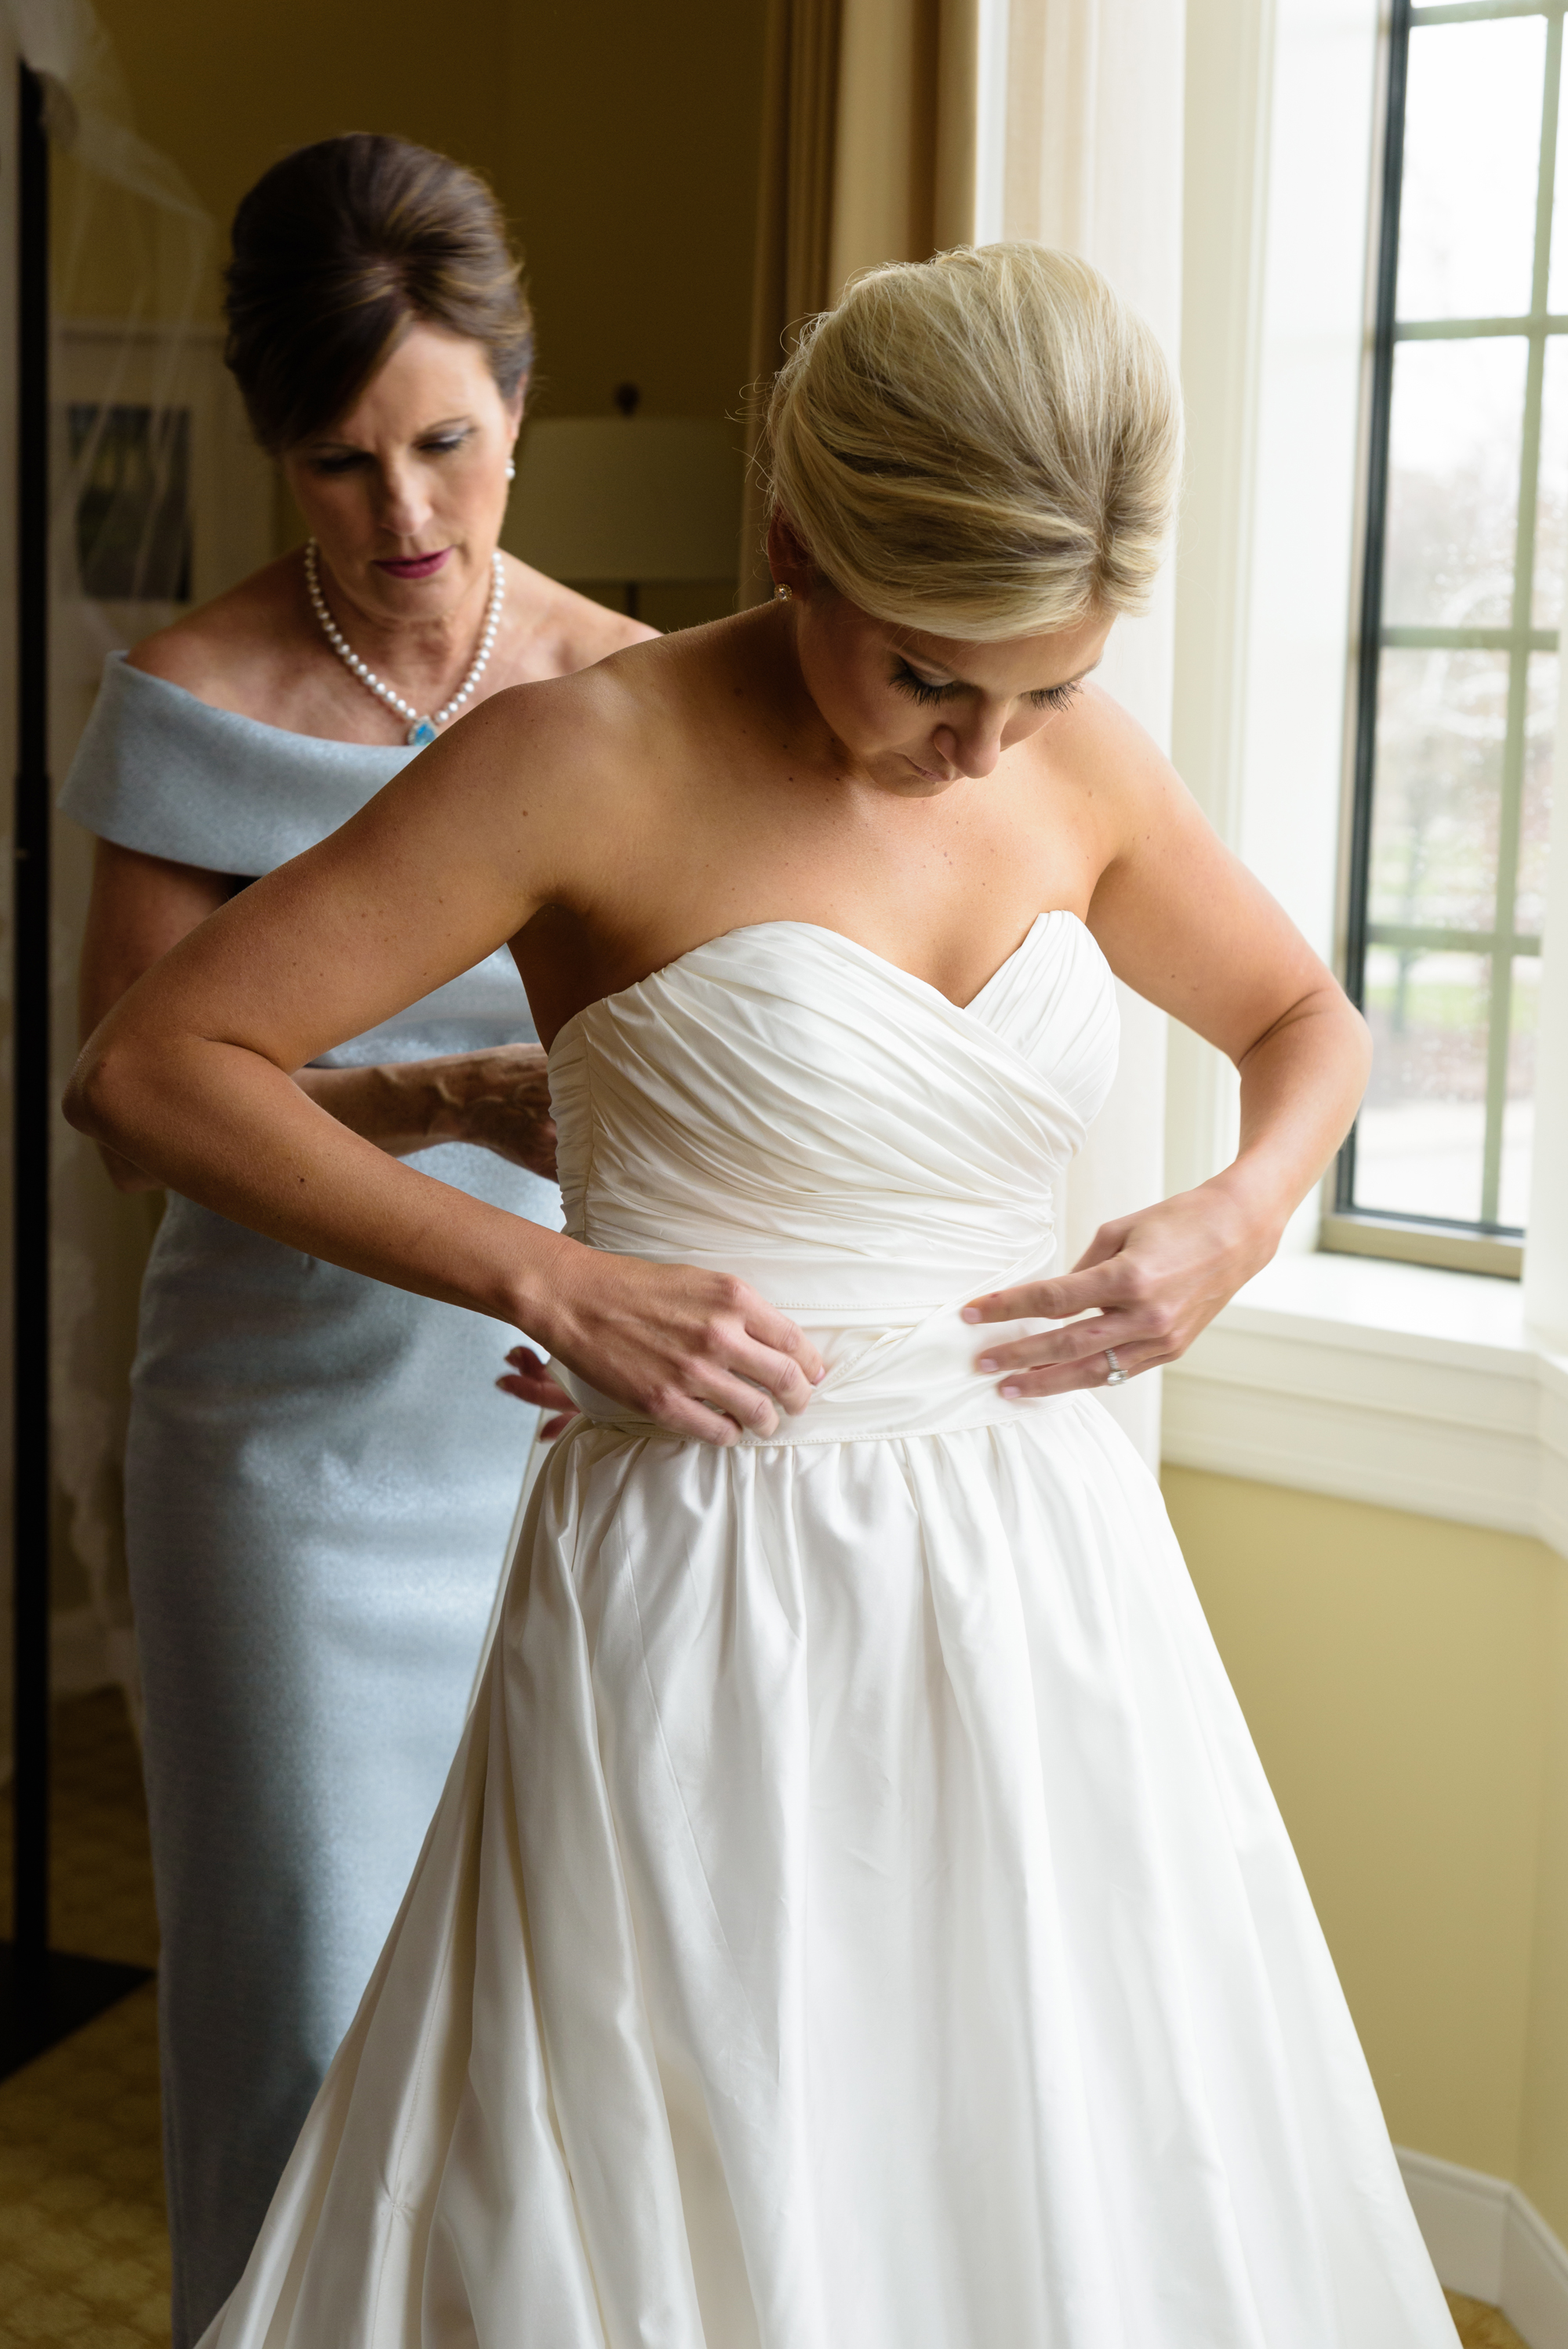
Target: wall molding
point(1364, 1381)
point(1488, 2241)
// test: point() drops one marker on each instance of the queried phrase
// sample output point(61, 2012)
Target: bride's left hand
point(1151, 1282)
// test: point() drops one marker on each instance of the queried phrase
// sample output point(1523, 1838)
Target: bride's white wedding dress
point(857, 1918)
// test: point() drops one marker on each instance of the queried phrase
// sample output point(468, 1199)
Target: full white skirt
point(856, 1919)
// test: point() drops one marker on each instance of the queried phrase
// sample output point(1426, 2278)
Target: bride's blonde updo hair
point(984, 446)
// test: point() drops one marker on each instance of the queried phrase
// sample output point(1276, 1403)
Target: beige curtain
point(792, 273)
point(868, 155)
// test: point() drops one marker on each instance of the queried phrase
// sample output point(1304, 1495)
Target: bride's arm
point(141, 905)
point(1189, 928)
point(189, 1077)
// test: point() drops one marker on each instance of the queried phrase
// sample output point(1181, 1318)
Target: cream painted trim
point(1391, 1383)
point(1488, 2241)
point(1416, 1243)
point(992, 37)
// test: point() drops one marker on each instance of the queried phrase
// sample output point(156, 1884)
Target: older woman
point(856, 1914)
point(321, 1474)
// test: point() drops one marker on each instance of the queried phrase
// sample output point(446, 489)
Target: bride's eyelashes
point(919, 688)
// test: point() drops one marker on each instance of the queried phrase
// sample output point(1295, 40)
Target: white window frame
point(1348, 1225)
point(1443, 1391)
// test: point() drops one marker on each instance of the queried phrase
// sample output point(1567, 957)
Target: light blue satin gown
point(320, 1479)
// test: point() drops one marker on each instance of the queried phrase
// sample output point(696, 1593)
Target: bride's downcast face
point(917, 712)
point(406, 492)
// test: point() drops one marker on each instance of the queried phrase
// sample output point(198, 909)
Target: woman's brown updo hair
point(338, 250)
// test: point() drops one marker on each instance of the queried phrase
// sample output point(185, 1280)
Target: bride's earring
point(511, 471)
point(783, 593)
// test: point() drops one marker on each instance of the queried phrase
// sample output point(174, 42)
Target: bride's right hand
point(698, 1352)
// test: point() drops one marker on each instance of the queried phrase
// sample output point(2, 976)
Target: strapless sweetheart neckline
point(841, 938)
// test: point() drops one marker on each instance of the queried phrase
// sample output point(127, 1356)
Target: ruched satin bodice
point(783, 1104)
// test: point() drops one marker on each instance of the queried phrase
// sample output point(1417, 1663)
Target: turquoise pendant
point(422, 730)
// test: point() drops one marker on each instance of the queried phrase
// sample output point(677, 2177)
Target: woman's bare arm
point(191, 1074)
point(1189, 928)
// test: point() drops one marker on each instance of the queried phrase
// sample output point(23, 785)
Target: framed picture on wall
point(160, 498)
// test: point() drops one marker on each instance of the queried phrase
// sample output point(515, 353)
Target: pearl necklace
point(420, 729)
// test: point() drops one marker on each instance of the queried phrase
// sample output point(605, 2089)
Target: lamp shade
point(628, 498)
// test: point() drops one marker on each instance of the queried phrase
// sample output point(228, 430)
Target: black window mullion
point(1370, 650)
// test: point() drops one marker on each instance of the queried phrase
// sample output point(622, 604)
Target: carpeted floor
point(1482, 2327)
point(84, 2256)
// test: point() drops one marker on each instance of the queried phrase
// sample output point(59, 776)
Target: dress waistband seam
point(642, 1431)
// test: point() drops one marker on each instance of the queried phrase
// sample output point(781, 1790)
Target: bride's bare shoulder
point(1099, 752)
point(606, 755)
point(642, 703)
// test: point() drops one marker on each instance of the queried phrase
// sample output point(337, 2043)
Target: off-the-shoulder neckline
point(379, 751)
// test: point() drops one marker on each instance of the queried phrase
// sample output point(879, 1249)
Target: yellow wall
point(630, 166)
point(1543, 2165)
point(224, 91)
point(621, 139)
point(1406, 1680)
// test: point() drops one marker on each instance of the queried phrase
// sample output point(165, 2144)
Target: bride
point(856, 1914)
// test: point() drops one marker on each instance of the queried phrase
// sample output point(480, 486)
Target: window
point(1466, 538)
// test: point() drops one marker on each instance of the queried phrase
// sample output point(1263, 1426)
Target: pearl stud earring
point(511, 471)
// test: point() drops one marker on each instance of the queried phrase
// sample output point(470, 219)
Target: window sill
point(1409, 1242)
point(1393, 1383)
